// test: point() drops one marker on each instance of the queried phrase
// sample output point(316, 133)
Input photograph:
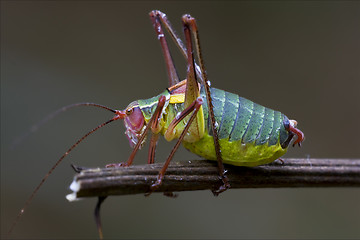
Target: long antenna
point(119, 115)
point(46, 119)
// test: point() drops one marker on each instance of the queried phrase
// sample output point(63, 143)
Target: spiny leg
point(190, 21)
point(152, 148)
point(151, 158)
point(163, 18)
point(154, 118)
point(201, 74)
point(193, 108)
point(192, 92)
point(179, 43)
point(171, 70)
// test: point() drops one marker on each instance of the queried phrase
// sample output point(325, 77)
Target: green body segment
point(148, 106)
point(170, 111)
point(249, 134)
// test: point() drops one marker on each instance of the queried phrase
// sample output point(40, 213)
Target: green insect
point(209, 122)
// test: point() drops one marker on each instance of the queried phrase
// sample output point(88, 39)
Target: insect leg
point(163, 18)
point(152, 122)
point(192, 91)
point(193, 108)
point(179, 43)
point(154, 125)
point(152, 148)
point(190, 21)
point(171, 70)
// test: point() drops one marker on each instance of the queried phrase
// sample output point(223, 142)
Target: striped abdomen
point(239, 119)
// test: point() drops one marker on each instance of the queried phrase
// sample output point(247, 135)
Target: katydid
point(212, 123)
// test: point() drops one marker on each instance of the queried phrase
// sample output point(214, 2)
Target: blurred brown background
point(302, 58)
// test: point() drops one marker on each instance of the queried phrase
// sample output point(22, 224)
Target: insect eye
point(129, 111)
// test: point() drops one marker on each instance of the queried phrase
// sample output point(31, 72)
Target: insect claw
point(225, 186)
point(155, 185)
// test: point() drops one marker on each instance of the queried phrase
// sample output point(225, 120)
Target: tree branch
point(203, 174)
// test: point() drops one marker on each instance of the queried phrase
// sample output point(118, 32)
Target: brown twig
point(202, 174)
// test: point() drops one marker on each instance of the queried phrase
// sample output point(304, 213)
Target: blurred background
point(302, 58)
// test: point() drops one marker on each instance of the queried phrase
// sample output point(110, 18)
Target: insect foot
point(225, 186)
point(155, 185)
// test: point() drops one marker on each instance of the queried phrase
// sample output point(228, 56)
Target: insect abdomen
point(249, 134)
point(239, 119)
